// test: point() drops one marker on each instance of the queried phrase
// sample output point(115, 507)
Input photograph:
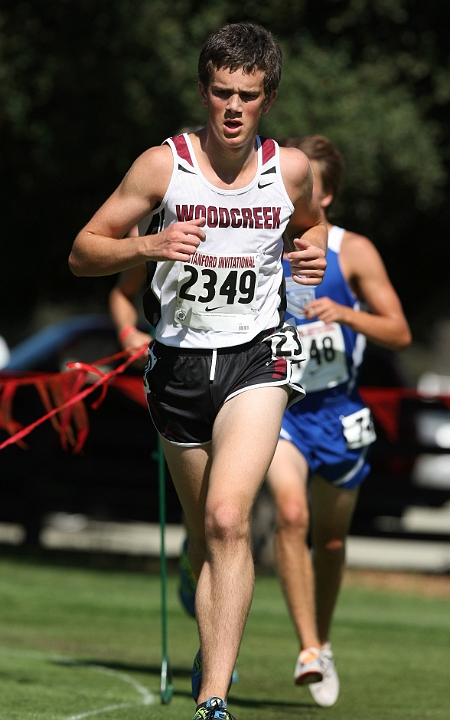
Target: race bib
point(358, 429)
point(326, 364)
point(218, 292)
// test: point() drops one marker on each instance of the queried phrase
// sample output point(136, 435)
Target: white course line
point(109, 708)
point(147, 696)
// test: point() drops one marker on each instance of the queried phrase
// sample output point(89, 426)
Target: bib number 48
point(327, 351)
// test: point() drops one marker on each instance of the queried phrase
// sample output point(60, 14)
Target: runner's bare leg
point(287, 478)
point(332, 511)
point(245, 434)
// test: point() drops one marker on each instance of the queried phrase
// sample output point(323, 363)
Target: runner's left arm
point(386, 324)
point(306, 234)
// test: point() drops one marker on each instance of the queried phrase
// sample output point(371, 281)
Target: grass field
point(78, 643)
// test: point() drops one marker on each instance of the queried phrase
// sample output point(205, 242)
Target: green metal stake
point(166, 670)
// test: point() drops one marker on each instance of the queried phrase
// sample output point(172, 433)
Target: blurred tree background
point(87, 85)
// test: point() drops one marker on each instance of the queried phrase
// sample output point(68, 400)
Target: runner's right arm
point(102, 248)
point(123, 310)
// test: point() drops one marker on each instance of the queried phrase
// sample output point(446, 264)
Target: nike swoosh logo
point(263, 186)
point(207, 309)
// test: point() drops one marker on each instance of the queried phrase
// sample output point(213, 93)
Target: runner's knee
point(226, 522)
point(292, 516)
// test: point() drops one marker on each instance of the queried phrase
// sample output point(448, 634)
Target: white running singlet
point(232, 288)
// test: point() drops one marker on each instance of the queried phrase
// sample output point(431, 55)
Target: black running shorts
point(186, 388)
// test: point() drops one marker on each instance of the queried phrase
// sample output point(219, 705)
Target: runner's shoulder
point(296, 171)
point(355, 244)
point(153, 168)
point(358, 254)
point(294, 164)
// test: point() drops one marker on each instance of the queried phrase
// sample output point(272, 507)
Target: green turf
point(76, 641)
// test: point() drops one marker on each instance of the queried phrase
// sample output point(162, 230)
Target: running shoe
point(326, 693)
point(308, 668)
point(188, 583)
point(196, 677)
point(213, 709)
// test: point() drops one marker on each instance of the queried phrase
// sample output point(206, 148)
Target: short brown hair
point(330, 160)
point(241, 45)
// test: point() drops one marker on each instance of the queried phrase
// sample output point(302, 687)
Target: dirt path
point(411, 583)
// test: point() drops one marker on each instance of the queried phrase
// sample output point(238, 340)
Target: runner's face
point(235, 102)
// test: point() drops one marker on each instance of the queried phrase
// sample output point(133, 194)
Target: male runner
point(212, 207)
point(325, 438)
point(124, 315)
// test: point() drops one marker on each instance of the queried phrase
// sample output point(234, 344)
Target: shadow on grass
point(179, 672)
point(250, 703)
point(122, 667)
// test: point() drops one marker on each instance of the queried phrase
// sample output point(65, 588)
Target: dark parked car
point(115, 476)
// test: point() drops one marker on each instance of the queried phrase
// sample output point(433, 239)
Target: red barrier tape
point(62, 396)
point(385, 405)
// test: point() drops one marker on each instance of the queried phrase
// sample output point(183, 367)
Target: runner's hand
point(326, 310)
point(177, 242)
point(308, 262)
point(134, 341)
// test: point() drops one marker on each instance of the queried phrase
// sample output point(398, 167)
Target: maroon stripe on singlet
point(182, 148)
point(268, 149)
